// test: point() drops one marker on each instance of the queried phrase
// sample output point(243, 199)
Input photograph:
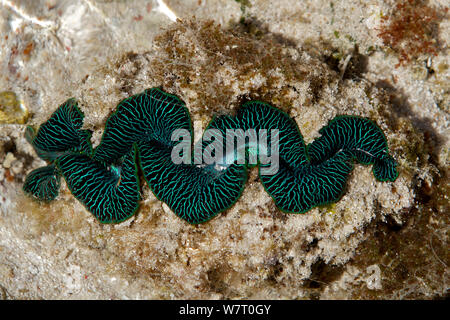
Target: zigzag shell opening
point(140, 132)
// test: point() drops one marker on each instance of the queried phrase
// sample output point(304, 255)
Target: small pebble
point(8, 160)
point(16, 167)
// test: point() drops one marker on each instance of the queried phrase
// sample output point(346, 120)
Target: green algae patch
point(12, 110)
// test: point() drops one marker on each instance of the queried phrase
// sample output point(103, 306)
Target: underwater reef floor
point(382, 240)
